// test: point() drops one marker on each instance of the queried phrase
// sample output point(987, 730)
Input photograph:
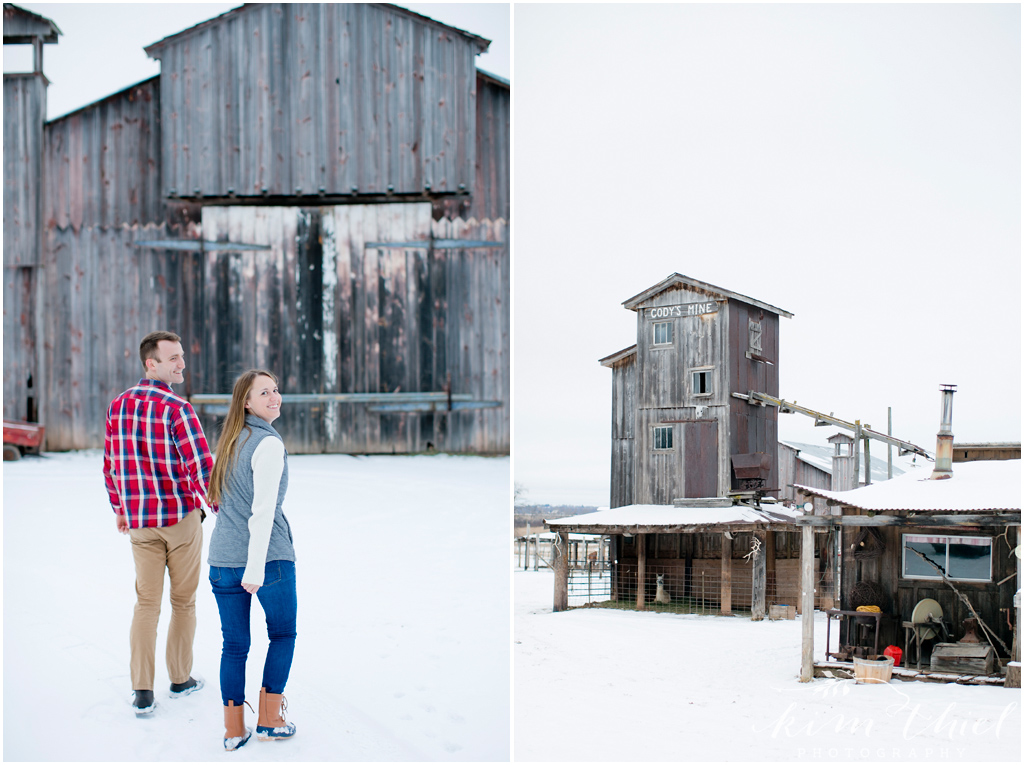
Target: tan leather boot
point(235, 732)
point(271, 725)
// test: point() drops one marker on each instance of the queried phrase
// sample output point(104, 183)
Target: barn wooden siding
point(103, 162)
point(623, 430)
point(491, 198)
point(318, 96)
point(329, 313)
point(754, 428)
point(664, 398)
point(102, 193)
point(988, 598)
point(24, 112)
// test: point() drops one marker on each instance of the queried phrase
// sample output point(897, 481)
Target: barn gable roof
point(676, 281)
point(22, 26)
point(154, 49)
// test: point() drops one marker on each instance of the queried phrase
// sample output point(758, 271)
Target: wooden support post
point(856, 454)
point(726, 574)
point(1013, 670)
point(770, 584)
point(560, 562)
point(641, 570)
point(807, 603)
point(890, 445)
point(867, 459)
point(760, 576)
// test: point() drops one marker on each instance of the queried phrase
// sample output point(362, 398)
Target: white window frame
point(709, 373)
point(671, 437)
point(671, 331)
point(948, 539)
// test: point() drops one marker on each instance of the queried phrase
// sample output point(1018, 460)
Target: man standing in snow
point(156, 464)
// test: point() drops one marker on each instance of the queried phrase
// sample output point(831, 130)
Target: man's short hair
point(148, 346)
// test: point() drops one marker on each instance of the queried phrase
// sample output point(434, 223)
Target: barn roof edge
point(677, 279)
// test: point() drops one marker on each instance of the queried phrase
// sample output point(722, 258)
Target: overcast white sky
point(101, 49)
point(856, 165)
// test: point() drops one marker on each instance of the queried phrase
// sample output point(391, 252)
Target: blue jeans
point(277, 596)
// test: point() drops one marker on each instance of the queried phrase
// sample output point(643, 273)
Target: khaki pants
point(179, 549)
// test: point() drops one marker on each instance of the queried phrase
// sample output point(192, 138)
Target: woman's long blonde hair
point(231, 429)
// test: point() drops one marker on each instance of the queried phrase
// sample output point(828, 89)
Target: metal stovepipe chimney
point(944, 439)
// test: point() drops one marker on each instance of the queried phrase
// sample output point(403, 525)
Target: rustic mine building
point(694, 520)
point(318, 189)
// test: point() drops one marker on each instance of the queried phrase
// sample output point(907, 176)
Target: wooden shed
point(949, 540)
point(318, 189)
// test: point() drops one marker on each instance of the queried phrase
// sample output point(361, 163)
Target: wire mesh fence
point(696, 587)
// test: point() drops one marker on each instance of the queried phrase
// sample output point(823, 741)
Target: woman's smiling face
point(264, 401)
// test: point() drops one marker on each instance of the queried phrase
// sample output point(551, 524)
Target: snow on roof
point(669, 515)
point(975, 486)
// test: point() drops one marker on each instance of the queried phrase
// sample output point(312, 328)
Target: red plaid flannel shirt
point(156, 462)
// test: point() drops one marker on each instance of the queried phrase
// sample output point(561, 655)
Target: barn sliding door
point(360, 299)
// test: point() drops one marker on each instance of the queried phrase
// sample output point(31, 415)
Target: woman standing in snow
point(251, 553)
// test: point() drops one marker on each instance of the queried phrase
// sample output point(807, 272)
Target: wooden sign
point(684, 309)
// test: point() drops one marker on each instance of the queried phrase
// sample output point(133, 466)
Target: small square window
point(663, 333)
point(701, 382)
point(663, 437)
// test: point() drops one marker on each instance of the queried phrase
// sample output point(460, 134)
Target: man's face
point(169, 365)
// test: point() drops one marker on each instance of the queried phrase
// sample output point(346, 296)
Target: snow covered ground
point(604, 685)
point(403, 632)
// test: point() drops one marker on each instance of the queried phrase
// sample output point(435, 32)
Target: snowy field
point(603, 685)
point(403, 627)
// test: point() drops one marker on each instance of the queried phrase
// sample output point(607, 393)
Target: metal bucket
point(876, 669)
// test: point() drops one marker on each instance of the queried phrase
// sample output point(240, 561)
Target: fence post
point(560, 562)
point(641, 570)
point(759, 561)
point(536, 551)
point(726, 574)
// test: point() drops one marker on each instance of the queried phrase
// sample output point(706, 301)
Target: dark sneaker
point(184, 689)
point(144, 703)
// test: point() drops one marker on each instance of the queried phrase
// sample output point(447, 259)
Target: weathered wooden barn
point(942, 537)
point(692, 463)
point(318, 189)
point(677, 431)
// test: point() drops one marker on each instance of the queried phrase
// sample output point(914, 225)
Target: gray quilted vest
point(229, 543)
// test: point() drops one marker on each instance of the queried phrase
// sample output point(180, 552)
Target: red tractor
point(21, 438)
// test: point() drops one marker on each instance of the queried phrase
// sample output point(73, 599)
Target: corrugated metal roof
point(677, 280)
point(974, 487)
